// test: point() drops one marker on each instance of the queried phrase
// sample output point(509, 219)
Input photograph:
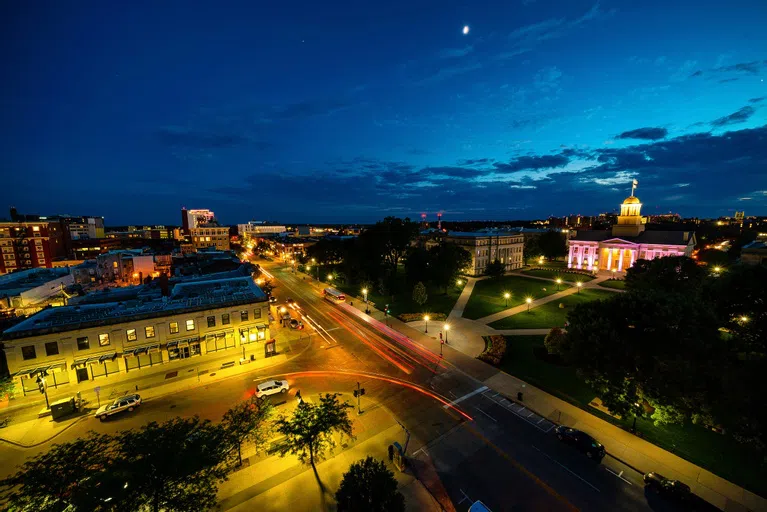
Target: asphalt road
point(483, 447)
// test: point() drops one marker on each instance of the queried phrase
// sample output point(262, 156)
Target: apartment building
point(210, 235)
point(256, 228)
point(104, 341)
point(27, 245)
point(487, 246)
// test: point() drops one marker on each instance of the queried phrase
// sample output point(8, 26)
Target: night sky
point(343, 111)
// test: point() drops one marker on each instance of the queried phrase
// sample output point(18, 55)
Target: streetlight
point(365, 294)
point(717, 269)
point(506, 297)
point(528, 300)
point(559, 282)
point(743, 319)
point(426, 326)
point(447, 328)
point(459, 282)
point(330, 277)
point(579, 284)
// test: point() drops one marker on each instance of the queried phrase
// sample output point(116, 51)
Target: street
point(483, 446)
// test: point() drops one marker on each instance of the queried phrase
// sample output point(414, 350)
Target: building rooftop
point(17, 282)
point(646, 237)
point(481, 234)
point(755, 245)
point(185, 297)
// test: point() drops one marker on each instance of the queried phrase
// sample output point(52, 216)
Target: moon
point(465, 29)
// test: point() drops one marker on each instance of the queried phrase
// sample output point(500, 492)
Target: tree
point(419, 294)
point(532, 250)
point(495, 268)
point(246, 421)
point(417, 264)
point(369, 486)
point(447, 262)
point(391, 239)
point(556, 341)
point(176, 465)
point(7, 387)
point(552, 244)
point(73, 475)
point(668, 274)
point(309, 432)
point(713, 257)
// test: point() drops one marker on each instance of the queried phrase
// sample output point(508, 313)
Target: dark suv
point(582, 441)
point(672, 489)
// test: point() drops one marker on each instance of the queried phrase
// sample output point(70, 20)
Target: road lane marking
point(619, 475)
point(576, 475)
point(486, 414)
point(466, 396)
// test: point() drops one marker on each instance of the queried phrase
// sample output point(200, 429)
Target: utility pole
point(358, 394)
point(42, 385)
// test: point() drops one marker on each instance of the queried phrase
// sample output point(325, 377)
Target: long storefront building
point(96, 342)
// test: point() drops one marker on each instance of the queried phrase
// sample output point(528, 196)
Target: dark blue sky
point(351, 111)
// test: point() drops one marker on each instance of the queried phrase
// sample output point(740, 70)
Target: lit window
point(243, 316)
point(103, 340)
point(131, 334)
point(190, 325)
point(35, 228)
point(174, 327)
point(149, 331)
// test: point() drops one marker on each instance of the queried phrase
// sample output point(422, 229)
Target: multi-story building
point(130, 266)
point(31, 244)
point(255, 228)
point(30, 290)
point(210, 235)
point(487, 246)
point(103, 342)
point(191, 219)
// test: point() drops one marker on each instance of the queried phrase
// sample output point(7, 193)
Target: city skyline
point(338, 114)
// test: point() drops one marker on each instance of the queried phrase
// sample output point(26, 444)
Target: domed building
point(628, 241)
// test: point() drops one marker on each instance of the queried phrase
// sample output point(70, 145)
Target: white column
point(633, 256)
point(609, 258)
point(620, 261)
point(591, 258)
point(570, 257)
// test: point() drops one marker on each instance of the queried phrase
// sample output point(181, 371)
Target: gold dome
point(631, 200)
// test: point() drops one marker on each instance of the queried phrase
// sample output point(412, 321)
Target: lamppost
point(447, 328)
point(282, 315)
point(459, 282)
point(717, 270)
point(426, 325)
point(506, 297)
point(365, 294)
point(528, 300)
point(330, 277)
point(743, 319)
point(559, 282)
point(579, 284)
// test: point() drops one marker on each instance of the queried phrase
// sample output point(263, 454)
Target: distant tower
point(439, 221)
point(424, 224)
point(630, 220)
point(14, 214)
point(184, 220)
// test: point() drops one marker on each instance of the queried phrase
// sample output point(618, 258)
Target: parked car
point(672, 489)
point(126, 403)
point(272, 387)
point(582, 441)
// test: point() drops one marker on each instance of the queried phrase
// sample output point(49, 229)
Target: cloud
point(740, 116)
point(179, 137)
point(454, 53)
point(447, 72)
point(644, 133)
point(757, 100)
point(534, 34)
point(523, 187)
point(547, 79)
point(531, 163)
point(742, 68)
point(476, 161)
point(726, 80)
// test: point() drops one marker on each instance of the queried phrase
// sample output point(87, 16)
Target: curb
point(33, 445)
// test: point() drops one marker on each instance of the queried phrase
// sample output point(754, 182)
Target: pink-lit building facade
point(627, 241)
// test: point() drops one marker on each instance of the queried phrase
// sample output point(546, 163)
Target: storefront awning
point(153, 348)
point(141, 350)
point(25, 372)
point(108, 357)
point(80, 362)
point(172, 345)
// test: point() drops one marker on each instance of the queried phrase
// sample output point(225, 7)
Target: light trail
point(375, 376)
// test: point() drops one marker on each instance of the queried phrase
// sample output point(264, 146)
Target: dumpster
point(62, 408)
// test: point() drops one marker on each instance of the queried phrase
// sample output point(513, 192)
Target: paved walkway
point(543, 300)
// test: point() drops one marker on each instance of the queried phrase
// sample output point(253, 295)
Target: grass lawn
point(553, 274)
point(718, 453)
point(549, 314)
point(437, 301)
point(614, 283)
point(487, 297)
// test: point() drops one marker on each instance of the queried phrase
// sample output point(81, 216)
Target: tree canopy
point(369, 486)
point(447, 262)
point(495, 268)
point(552, 244)
point(247, 421)
point(419, 294)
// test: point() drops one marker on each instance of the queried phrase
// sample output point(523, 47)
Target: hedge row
point(494, 350)
point(414, 317)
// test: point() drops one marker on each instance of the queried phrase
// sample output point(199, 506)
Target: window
point(82, 343)
point(35, 228)
point(131, 335)
point(174, 327)
point(51, 348)
point(257, 313)
point(149, 331)
point(103, 340)
point(190, 325)
point(211, 321)
point(225, 319)
point(28, 352)
point(243, 316)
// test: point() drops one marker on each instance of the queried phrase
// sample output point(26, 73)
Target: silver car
point(272, 387)
point(126, 403)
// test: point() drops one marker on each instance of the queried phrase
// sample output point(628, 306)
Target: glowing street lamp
point(506, 297)
point(459, 282)
point(579, 284)
point(365, 294)
point(447, 328)
point(559, 282)
point(426, 325)
point(743, 319)
point(717, 270)
point(330, 277)
point(529, 300)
